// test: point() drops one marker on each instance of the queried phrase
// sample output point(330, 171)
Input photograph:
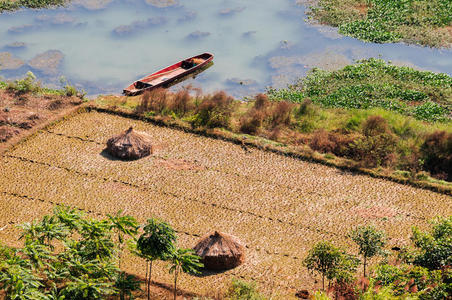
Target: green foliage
point(435, 247)
point(370, 241)
point(7, 5)
point(25, 85)
point(186, 261)
point(331, 262)
point(126, 284)
point(70, 90)
point(157, 241)
point(384, 21)
point(374, 83)
point(408, 280)
point(430, 111)
point(65, 256)
point(241, 290)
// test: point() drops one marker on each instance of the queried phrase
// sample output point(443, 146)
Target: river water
point(102, 45)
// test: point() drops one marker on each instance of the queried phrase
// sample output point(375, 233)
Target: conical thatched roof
point(220, 251)
point(130, 144)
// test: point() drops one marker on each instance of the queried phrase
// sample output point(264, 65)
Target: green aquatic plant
point(8, 5)
point(379, 21)
point(375, 83)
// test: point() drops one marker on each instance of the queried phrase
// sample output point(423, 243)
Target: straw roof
point(130, 145)
point(220, 251)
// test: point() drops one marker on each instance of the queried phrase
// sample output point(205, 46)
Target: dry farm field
point(278, 206)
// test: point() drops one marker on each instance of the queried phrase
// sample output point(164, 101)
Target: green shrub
point(25, 85)
point(241, 290)
point(377, 146)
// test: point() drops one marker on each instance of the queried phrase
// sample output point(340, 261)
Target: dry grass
point(278, 206)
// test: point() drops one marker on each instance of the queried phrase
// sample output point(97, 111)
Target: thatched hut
point(130, 145)
point(220, 251)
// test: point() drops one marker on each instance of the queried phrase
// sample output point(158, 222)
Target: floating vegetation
point(374, 83)
point(424, 22)
point(47, 62)
point(9, 62)
point(9, 5)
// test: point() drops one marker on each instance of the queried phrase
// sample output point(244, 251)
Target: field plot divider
point(256, 215)
point(248, 178)
point(99, 214)
point(229, 173)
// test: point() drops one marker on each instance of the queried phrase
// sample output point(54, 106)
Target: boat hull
point(167, 75)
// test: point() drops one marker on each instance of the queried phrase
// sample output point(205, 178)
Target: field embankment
point(25, 107)
point(279, 206)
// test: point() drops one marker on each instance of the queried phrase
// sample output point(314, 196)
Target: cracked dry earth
point(278, 206)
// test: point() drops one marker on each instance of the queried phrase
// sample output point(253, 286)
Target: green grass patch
point(35, 4)
point(422, 22)
point(373, 83)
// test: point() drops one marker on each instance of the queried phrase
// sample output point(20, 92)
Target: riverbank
point(9, 5)
point(427, 23)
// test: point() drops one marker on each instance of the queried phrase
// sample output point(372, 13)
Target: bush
point(378, 145)
point(336, 143)
point(241, 290)
point(436, 152)
point(214, 111)
point(155, 100)
point(25, 85)
point(281, 114)
point(252, 121)
point(181, 103)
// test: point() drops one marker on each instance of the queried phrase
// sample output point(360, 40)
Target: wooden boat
point(169, 74)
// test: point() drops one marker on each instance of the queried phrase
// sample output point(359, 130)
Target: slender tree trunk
point(175, 283)
point(149, 280)
point(364, 264)
point(119, 252)
point(323, 282)
point(146, 278)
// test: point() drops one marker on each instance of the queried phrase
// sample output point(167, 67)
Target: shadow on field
point(207, 273)
point(108, 156)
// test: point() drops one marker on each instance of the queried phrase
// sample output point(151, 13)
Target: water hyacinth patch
point(375, 83)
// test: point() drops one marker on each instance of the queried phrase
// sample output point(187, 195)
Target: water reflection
point(102, 45)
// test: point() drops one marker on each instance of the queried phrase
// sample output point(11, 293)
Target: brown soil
point(20, 115)
point(362, 9)
point(178, 164)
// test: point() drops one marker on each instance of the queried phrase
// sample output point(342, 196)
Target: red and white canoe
point(169, 74)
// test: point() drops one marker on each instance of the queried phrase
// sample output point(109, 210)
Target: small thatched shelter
point(220, 251)
point(130, 145)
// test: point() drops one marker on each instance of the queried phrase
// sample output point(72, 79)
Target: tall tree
point(370, 241)
point(156, 243)
point(324, 259)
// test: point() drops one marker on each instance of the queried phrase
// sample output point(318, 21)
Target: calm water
point(101, 46)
